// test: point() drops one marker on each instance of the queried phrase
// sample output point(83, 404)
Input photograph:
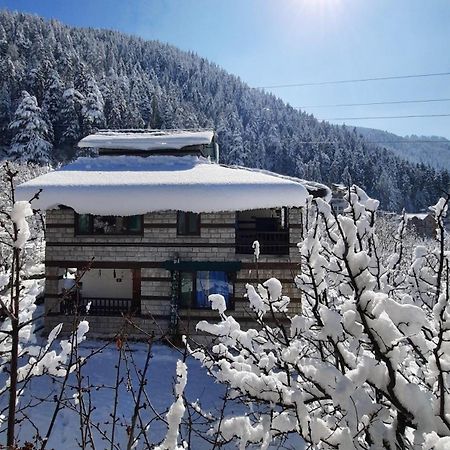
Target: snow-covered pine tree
point(30, 133)
point(71, 116)
point(93, 108)
point(51, 105)
point(5, 108)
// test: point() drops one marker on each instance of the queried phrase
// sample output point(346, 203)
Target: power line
point(396, 102)
point(387, 117)
point(358, 80)
point(405, 141)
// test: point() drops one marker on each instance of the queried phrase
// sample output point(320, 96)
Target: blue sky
point(271, 42)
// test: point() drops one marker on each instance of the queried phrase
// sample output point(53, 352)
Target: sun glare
point(320, 15)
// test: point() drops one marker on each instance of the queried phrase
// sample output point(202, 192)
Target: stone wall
point(158, 243)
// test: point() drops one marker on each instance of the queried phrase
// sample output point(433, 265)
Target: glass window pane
point(181, 222)
point(188, 223)
point(104, 224)
point(193, 221)
point(211, 282)
point(134, 224)
point(84, 223)
point(186, 289)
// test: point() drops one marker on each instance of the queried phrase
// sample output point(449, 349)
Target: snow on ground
point(101, 371)
point(128, 185)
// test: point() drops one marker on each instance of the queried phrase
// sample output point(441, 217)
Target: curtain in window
point(211, 282)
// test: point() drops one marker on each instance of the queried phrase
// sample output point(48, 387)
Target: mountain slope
point(85, 79)
point(429, 150)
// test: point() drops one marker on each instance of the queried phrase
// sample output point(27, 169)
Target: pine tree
point(71, 119)
point(5, 116)
point(93, 109)
point(51, 105)
point(30, 140)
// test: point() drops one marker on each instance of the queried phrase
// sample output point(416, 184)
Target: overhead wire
point(404, 141)
point(409, 116)
point(393, 102)
point(355, 80)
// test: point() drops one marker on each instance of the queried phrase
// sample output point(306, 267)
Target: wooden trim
point(47, 295)
point(143, 316)
point(150, 279)
point(218, 225)
point(203, 225)
point(156, 297)
point(174, 244)
point(106, 264)
point(270, 265)
point(54, 277)
point(59, 225)
point(275, 265)
point(140, 244)
point(160, 225)
point(255, 280)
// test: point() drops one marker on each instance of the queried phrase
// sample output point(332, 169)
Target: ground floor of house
point(158, 297)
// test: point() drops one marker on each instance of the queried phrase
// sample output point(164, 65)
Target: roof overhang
point(130, 185)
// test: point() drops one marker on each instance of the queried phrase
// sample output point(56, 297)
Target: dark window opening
point(270, 227)
point(195, 288)
point(188, 224)
point(89, 224)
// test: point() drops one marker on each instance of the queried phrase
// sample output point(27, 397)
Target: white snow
point(156, 140)
point(218, 303)
point(164, 369)
point(129, 185)
point(21, 210)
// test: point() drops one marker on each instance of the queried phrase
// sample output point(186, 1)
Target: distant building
point(424, 224)
point(338, 201)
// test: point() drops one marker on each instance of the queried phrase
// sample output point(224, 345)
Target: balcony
point(100, 306)
point(267, 226)
point(271, 242)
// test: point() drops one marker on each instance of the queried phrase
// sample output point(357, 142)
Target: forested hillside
point(430, 150)
point(59, 83)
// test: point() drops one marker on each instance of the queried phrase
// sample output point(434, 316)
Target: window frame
point(78, 232)
point(186, 232)
point(231, 276)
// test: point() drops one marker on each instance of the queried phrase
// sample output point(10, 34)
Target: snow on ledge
point(128, 185)
point(155, 140)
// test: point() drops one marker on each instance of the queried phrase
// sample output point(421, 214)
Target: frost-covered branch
point(365, 365)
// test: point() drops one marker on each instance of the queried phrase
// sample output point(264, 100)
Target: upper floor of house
point(165, 186)
point(220, 235)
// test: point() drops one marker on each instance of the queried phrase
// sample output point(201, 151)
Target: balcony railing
point(271, 242)
point(99, 306)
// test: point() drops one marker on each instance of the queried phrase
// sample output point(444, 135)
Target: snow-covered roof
point(420, 216)
point(147, 141)
point(128, 185)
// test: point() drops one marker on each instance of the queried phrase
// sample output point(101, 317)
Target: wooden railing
point(271, 242)
point(99, 306)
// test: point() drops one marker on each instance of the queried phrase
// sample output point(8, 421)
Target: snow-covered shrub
point(12, 174)
point(22, 355)
point(366, 363)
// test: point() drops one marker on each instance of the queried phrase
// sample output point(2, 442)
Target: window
point(188, 224)
point(195, 287)
point(89, 224)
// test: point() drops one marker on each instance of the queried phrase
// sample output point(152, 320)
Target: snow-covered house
point(160, 225)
